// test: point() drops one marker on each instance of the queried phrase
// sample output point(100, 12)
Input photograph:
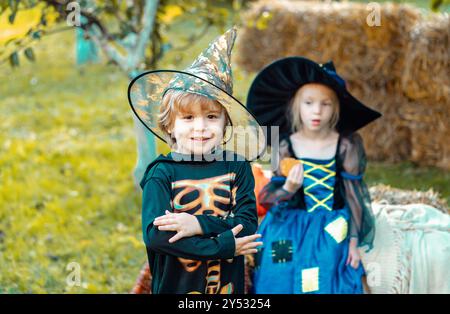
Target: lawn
point(67, 151)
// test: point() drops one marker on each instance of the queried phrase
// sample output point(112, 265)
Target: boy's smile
point(199, 130)
point(200, 139)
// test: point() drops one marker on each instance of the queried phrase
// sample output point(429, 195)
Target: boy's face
point(317, 104)
point(197, 131)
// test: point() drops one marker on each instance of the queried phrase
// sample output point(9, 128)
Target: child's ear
point(174, 140)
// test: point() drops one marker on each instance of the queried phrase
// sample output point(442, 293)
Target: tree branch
point(148, 23)
point(111, 52)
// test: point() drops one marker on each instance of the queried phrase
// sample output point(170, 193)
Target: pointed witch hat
point(210, 75)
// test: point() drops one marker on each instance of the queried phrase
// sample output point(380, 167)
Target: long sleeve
point(244, 209)
point(356, 193)
point(156, 199)
point(273, 193)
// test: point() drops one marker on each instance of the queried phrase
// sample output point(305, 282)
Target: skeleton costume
point(306, 234)
point(218, 187)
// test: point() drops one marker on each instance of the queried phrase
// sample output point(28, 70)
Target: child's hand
point(184, 224)
point(353, 254)
point(294, 179)
point(245, 245)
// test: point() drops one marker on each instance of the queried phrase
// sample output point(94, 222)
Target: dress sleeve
point(273, 193)
point(356, 193)
point(157, 199)
point(244, 207)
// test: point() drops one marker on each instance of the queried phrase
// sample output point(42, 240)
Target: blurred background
point(68, 148)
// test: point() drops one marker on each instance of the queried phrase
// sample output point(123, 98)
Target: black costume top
point(221, 195)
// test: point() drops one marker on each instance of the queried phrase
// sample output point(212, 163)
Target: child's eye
point(327, 104)
point(188, 117)
point(212, 116)
point(308, 102)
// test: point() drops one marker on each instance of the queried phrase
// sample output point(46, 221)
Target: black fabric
point(276, 84)
point(221, 195)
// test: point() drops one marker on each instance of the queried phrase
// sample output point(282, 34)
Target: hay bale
point(328, 31)
point(387, 195)
point(426, 82)
point(381, 65)
point(428, 57)
point(143, 282)
point(390, 138)
point(428, 123)
point(409, 130)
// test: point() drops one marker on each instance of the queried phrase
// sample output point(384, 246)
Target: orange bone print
point(205, 203)
point(189, 265)
point(213, 277)
point(206, 196)
point(213, 283)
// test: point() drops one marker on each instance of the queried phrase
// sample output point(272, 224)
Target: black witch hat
point(273, 88)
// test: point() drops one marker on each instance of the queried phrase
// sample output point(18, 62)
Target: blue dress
point(305, 250)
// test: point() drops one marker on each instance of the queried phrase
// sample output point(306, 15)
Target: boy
point(208, 188)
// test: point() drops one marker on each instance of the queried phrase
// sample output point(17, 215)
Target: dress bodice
point(318, 183)
point(321, 183)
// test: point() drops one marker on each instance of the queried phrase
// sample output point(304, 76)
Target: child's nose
point(199, 124)
point(317, 108)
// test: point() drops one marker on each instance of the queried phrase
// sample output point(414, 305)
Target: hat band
point(339, 79)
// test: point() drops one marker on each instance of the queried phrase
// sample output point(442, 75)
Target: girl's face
point(317, 105)
point(197, 131)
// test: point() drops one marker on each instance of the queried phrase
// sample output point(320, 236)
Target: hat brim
point(146, 91)
point(276, 84)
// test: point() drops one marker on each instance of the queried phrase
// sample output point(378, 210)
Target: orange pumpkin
point(260, 181)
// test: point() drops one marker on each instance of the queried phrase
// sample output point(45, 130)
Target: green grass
point(67, 151)
point(408, 176)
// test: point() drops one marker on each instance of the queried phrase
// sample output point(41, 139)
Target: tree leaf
point(36, 35)
point(435, 4)
point(14, 59)
point(29, 54)
point(13, 5)
point(12, 17)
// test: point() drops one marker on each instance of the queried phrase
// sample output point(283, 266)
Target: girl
point(319, 205)
point(211, 189)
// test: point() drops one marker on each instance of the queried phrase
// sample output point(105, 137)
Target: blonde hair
point(179, 102)
point(294, 116)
